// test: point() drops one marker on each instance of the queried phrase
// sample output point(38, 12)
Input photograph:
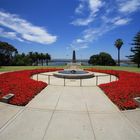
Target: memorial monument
point(74, 57)
point(73, 71)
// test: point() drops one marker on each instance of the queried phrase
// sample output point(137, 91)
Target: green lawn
point(14, 68)
point(132, 69)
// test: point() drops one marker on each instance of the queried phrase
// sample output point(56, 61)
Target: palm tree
point(41, 58)
point(31, 56)
point(118, 44)
point(47, 57)
point(36, 56)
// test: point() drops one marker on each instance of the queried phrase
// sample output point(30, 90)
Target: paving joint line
point(59, 110)
point(122, 115)
point(40, 109)
point(130, 123)
point(9, 122)
point(89, 116)
point(90, 122)
point(47, 127)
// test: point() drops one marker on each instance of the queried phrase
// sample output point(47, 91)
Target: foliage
point(7, 52)
point(122, 91)
point(118, 44)
point(136, 50)
point(31, 59)
point(21, 60)
point(20, 84)
point(102, 59)
point(9, 56)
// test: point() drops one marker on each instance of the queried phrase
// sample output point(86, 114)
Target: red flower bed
point(20, 84)
point(122, 91)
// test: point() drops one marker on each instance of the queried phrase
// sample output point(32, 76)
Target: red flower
point(123, 91)
point(20, 84)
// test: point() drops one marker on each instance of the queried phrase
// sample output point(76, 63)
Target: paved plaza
point(72, 112)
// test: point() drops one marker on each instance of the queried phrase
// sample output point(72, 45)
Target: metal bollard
point(80, 82)
point(49, 79)
point(64, 81)
point(96, 80)
point(110, 78)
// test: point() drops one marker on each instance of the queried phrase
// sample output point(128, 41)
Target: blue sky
point(60, 26)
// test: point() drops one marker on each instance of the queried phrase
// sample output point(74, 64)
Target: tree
point(136, 50)
point(22, 60)
point(102, 59)
point(36, 55)
point(118, 44)
point(36, 58)
point(7, 52)
point(42, 58)
point(94, 60)
point(9, 56)
point(47, 58)
point(31, 56)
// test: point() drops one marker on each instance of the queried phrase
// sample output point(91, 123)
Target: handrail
point(64, 78)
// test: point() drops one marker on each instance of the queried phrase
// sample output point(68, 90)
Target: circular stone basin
point(74, 74)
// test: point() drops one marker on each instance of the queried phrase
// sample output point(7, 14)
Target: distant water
point(63, 63)
point(127, 65)
point(57, 63)
point(84, 62)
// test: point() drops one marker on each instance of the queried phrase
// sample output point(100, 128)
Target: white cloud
point(88, 36)
point(24, 30)
point(122, 21)
point(92, 6)
point(83, 22)
point(11, 35)
point(79, 47)
point(95, 5)
point(80, 8)
point(104, 17)
point(118, 20)
point(91, 34)
point(129, 6)
point(79, 40)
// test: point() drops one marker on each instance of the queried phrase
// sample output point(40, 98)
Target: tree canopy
point(32, 58)
point(102, 59)
point(10, 56)
point(118, 44)
point(135, 57)
point(7, 52)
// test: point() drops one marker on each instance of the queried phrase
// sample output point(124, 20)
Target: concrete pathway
point(69, 113)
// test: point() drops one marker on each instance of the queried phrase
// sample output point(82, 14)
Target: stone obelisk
point(74, 57)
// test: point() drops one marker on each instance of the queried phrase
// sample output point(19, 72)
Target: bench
point(7, 98)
